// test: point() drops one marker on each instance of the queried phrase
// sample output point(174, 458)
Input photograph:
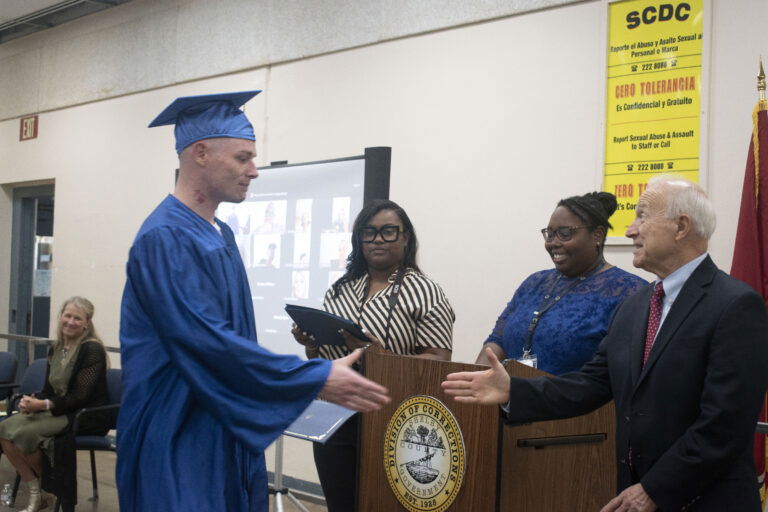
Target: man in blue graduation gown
point(201, 399)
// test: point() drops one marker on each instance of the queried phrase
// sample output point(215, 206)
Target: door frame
point(23, 232)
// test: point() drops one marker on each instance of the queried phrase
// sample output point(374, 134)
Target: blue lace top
point(569, 332)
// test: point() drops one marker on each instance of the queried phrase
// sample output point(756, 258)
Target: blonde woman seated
point(75, 378)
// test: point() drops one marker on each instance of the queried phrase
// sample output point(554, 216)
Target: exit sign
point(28, 129)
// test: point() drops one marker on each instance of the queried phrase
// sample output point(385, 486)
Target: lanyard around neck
point(548, 301)
point(391, 299)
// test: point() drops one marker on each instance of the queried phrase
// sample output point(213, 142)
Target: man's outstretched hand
point(485, 387)
point(349, 389)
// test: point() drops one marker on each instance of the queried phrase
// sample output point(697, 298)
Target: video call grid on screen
point(294, 233)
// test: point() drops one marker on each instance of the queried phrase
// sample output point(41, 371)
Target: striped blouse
point(421, 318)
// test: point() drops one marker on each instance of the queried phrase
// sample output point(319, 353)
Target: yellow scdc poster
point(653, 97)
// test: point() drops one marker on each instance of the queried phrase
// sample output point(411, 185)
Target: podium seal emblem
point(424, 455)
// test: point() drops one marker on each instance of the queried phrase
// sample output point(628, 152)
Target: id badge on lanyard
point(528, 359)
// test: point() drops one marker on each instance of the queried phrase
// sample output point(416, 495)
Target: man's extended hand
point(484, 387)
point(631, 499)
point(348, 388)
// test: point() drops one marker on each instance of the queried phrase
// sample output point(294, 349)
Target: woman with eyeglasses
point(385, 292)
point(557, 317)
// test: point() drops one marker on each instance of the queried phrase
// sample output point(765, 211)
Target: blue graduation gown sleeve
point(202, 400)
point(252, 391)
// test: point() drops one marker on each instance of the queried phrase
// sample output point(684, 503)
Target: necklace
point(65, 350)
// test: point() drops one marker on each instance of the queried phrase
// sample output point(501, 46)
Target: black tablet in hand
point(324, 326)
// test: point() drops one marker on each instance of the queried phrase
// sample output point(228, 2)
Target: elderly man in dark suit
point(686, 361)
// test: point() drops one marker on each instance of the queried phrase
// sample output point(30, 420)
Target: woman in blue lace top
point(557, 317)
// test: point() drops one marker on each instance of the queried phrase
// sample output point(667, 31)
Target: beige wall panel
point(79, 70)
point(145, 44)
point(485, 140)
point(20, 83)
point(220, 37)
point(409, 17)
point(125, 49)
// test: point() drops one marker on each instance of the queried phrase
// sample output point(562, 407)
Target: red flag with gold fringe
point(750, 253)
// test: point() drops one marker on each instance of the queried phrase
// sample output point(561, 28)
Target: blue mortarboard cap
point(206, 117)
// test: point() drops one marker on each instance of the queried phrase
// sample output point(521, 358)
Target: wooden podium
point(564, 465)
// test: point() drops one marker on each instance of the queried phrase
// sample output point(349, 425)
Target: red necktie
point(654, 319)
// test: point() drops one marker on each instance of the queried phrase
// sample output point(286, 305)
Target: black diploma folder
point(324, 326)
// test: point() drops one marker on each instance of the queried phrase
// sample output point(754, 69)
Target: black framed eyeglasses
point(563, 233)
point(388, 232)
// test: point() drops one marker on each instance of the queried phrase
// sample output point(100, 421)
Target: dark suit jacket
point(690, 413)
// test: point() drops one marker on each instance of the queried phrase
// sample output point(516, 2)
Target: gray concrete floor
point(105, 465)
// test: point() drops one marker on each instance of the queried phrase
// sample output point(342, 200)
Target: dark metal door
point(31, 260)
